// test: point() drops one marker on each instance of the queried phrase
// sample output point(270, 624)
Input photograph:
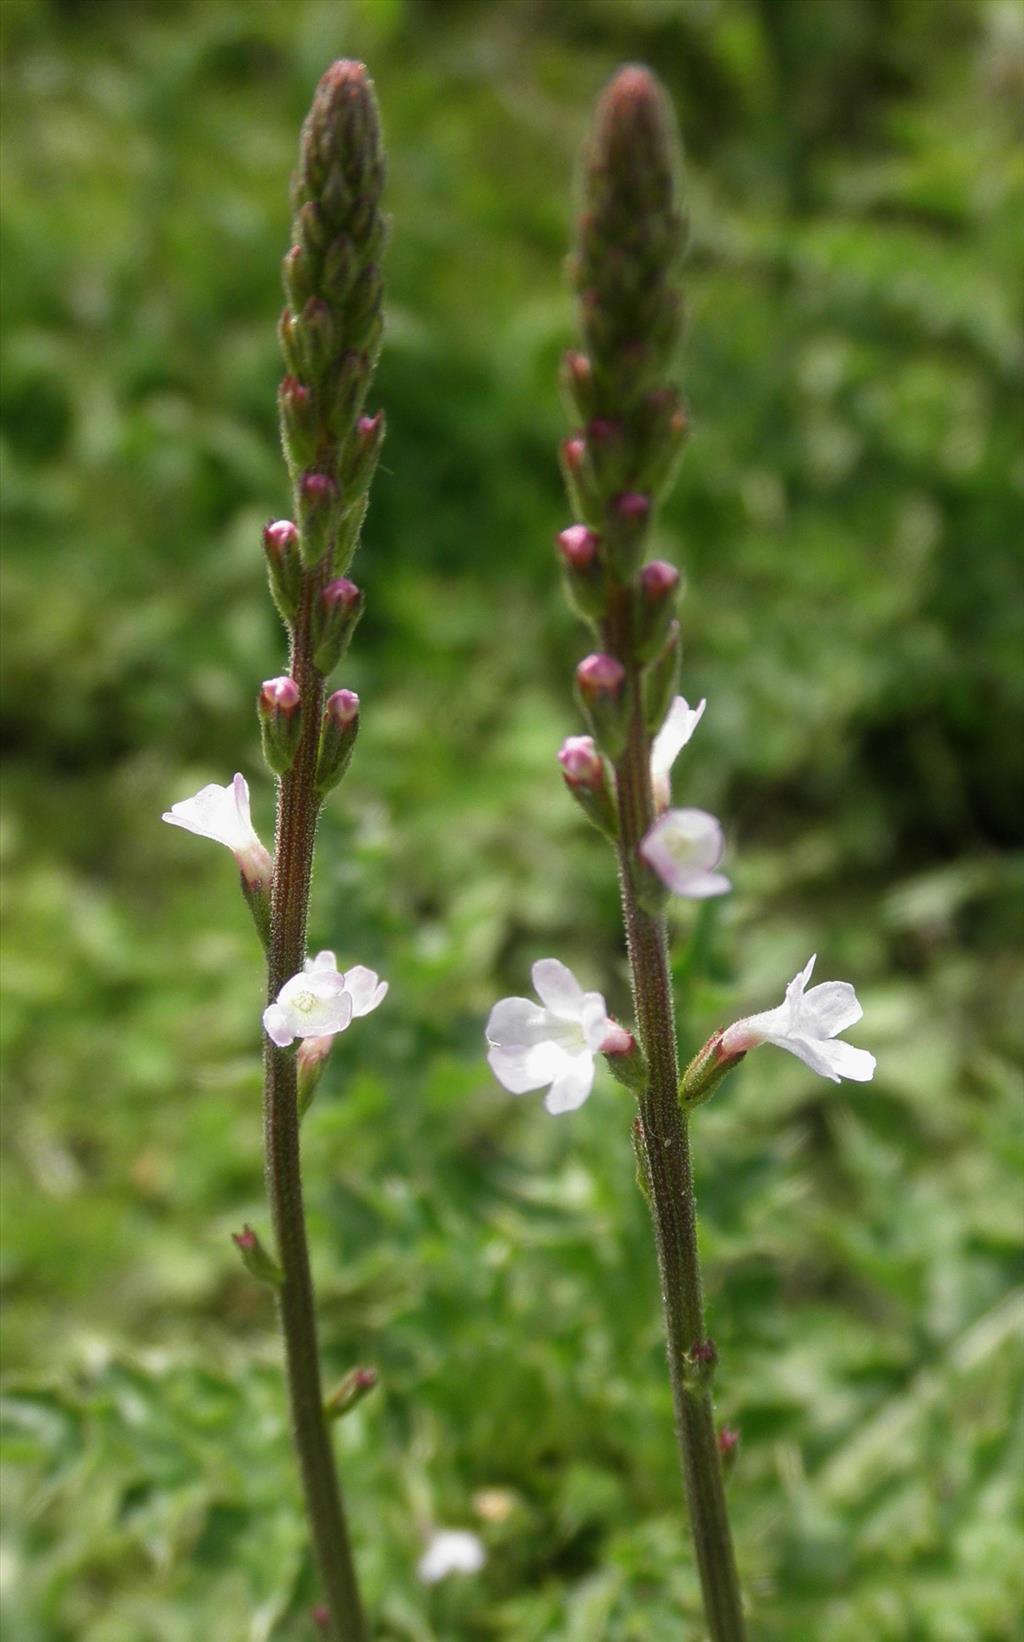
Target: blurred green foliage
point(848, 519)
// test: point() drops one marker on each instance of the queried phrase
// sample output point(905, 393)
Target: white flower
point(321, 1001)
point(222, 813)
point(679, 725)
point(685, 847)
point(552, 1043)
point(451, 1551)
point(806, 1023)
point(308, 1006)
point(362, 985)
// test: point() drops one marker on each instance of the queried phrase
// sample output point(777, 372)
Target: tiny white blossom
point(308, 1006)
point(553, 1042)
point(451, 1551)
point(807, 1023)
point(685, 847)
point(363, 985)
point(222, 813)
point(679, 725)
point(322, 1001)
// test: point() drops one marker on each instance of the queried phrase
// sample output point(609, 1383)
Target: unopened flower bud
point(297, 274)
point(661, 680)
point(584, 573)
point(624, 1058)
point(573, 454)
point(705, 1072)
point(728, 1448)
point(340, 268)
point(626, 521)
point(310, 1059)
point(606, 455)
point(336, 611)
point(280, 722)
point(284, 565)
point(655, 606)
point(258, 1263)
point(318, 511)
point(317, 331)
point(337, 739)
point(351, 1390)
point(584, 773)
point(578, 382)
point(362, 453)
point(578, 546)
point(320, 1614)
point(699, 1365)
point(297, 412)
point(602, 694)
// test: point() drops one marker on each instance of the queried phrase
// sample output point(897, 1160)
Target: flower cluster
point(320, 1001)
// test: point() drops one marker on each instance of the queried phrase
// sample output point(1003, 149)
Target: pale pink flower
point(679, 725)
point(807, 1024)
point(553, 1043)
point(222, 813)
point(685, 848)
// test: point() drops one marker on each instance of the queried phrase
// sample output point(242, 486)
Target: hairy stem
point(296, 829)
point(666, 1148)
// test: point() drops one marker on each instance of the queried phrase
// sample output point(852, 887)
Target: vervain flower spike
point(330, 334)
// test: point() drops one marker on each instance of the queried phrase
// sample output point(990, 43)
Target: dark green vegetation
point(848, 519)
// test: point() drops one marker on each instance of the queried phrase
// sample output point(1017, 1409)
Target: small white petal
point(829, 1008)
point(520, 1069)
point(364, 988)
point(572, 1085)
point(847, 1061)
point(451, 1551)
point(558, 989)
point(516, 1023)
point(678, 728)
point(594, 1020)
point(323, 960)
point(277, 1026)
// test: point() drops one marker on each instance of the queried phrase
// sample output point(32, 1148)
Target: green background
point(848, 523)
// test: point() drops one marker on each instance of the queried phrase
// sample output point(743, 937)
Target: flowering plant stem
point(665, 1149)
point(297, 810)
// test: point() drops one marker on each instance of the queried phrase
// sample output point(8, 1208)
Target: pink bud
point(368, 427)
point(632, 505)
point(318, 487)
point(321, 1616)
point(245, 1239)
point(600, 674)
point(294, 393)
point(578, 546)
point(573, 452)
point(728, 1440)
point(602, 430)
point(704, 1352)
point(342, 707)
point(582, 764)
point(341, 594)
point(658, 580)
point(280, 536)
point(577, 366)
point(280, 695)
point(617, 1041)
